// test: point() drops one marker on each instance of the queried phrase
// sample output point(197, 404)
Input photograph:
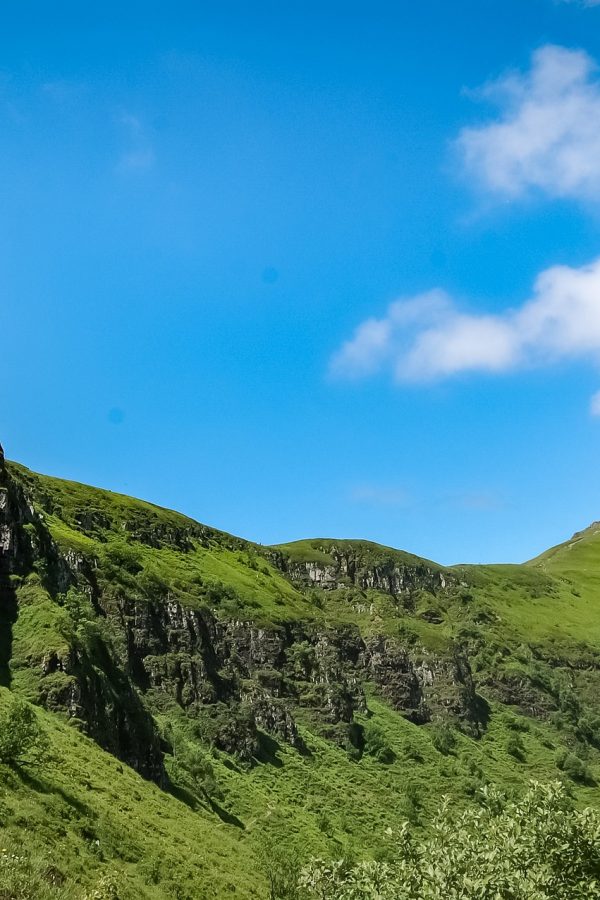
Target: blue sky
point(309, 269)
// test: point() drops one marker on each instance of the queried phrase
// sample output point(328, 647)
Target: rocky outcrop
point(424, 686)
point(86, 681)
point(15, 512)
point(195, 659)
point(348, 567)
point(95, 692)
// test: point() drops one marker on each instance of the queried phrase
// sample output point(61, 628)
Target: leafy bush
point(538, 848)
point(21, 738)
point(376, 744)
point(515, 746)
point(573, 766)
point(411, 803)
point(279, 864)
point(589, 728)
point(443, 738)
point(121, 555)
point(190, 758)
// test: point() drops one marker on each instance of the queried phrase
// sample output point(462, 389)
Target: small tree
point(515, 746)
point(443, 738)
point(573, 766)
point(376, 744)
point(21, 738)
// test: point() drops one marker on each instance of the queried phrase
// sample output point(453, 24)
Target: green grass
point(89, 815)
point(321, 550)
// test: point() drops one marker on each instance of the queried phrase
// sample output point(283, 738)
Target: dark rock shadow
point(8, 617)
point(190, 800)
point(268, 748)
point(226, 816)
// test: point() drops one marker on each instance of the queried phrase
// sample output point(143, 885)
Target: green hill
point(215, 710)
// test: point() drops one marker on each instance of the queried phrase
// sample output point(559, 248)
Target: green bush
point(443, 738)
point(573, 766)
point(193, 767)
point(589, 728)
point(515, 746)
point(411, 802)
point(21, 738)
point(279, 863)
point(376, 744)
point(538, 848)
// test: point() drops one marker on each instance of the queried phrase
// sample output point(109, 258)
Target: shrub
point(411, 802)
point(376, 744)
point(443, 738)
point(21, 738)
point(515, 746)
point(589, 728)
point(194, 767)
point(538, 848)
point(279, 864)
point(573, 766)
point(122, 555)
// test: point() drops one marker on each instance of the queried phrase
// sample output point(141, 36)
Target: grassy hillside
point(88, 816)
point(303, 697)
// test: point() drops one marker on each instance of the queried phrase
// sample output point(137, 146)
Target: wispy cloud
point(139, 155)
point(137, 160)
point(379, 495)
point(595, 404)
point(547, 134)
point(477, 501)
point(429, 337)
point(584, 3)
point(62, 91)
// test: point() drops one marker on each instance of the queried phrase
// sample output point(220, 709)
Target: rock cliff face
point(423, 686)
point(87, 686)
point(15, 511)
point(348, 568)
point(128, 654)
point(198, 661)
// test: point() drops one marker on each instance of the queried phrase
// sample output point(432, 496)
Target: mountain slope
point(310, 694)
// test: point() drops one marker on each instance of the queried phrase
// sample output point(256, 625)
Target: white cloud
point(595, 404)
point(63, 91)
point(547, 134)
point(478, 501)
point(428, 337)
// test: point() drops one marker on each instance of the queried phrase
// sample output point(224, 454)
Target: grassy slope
point(87, 814)
point(215, 555)
point(321, 803)
point(319, 550)
point(158, 846)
